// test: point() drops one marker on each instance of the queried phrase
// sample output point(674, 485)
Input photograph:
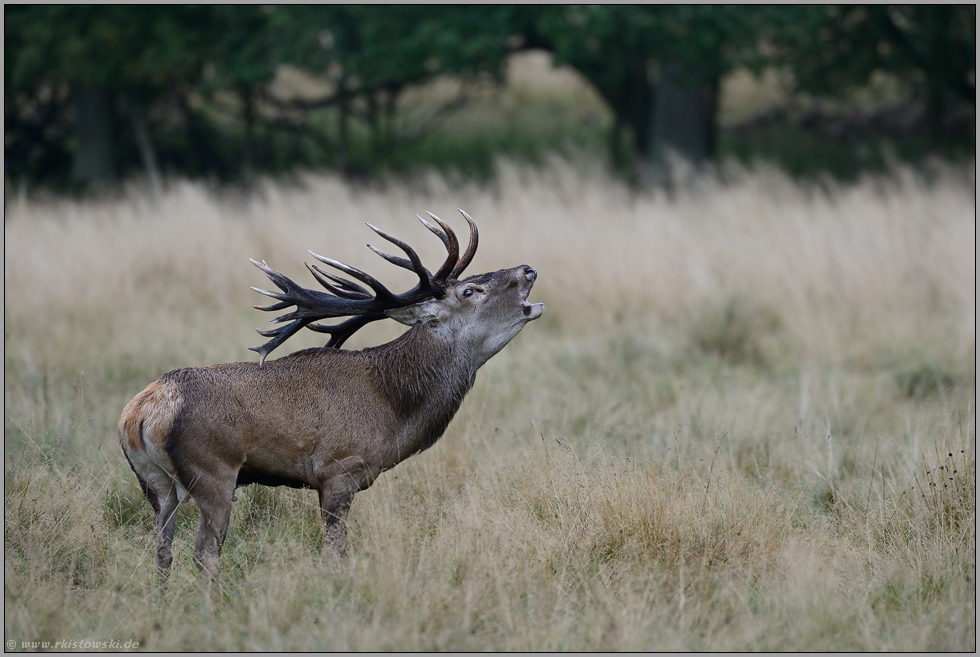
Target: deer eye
point(468, 292)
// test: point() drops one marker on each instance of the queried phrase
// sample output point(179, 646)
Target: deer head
point(484, 312)
point(481, 313)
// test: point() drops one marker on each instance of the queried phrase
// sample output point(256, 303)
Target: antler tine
point(437, 231)
point(345, 284)
point(340, 332)
point(397, 260)
point(467, 257)
point(281, 281)
point(281, 335)
point(274, 295)
point(453, 247)
point(290, 291)
point(371, 281)
point(274, 307)
point(344, 288)
point(414, 263)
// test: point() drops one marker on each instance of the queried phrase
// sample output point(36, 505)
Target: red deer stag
point(325, 418)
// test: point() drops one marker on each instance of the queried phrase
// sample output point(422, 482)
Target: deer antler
point(345, 298)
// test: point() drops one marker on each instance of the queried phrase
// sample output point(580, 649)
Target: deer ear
point(417, 313)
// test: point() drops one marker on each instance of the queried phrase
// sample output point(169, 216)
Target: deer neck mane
point(425, 377)
point(421, 368)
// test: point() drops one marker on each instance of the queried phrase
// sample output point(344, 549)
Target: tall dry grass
point(746, 421)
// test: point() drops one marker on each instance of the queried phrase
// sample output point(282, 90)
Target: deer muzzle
point(531, 310)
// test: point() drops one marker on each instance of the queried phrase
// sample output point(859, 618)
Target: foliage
point(931, 48)
point(622, 50)
point(191, 90)
point(372, 55)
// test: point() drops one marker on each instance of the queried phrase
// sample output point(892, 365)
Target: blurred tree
point(658, 67)
point(370, 55)
point(36, 125)
point(93, 92)
point(104, 61)
point(931, 48)
point(240, 57)
point(122, 75)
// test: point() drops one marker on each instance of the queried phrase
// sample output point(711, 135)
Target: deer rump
point(327, 418)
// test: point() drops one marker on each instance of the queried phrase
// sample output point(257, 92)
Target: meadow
point(746, 421)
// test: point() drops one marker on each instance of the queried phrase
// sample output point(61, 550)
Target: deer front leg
point(338, 484)
point(334, 507)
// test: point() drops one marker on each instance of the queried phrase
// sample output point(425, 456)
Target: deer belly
point(274, 470)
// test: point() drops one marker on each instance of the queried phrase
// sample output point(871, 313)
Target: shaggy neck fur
point(425, 392)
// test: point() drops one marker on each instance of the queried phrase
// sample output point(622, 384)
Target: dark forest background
point(96, 95)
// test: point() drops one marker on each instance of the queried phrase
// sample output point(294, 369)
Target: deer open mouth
point(531, 310)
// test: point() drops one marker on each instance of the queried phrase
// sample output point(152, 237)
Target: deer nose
point(530, 274)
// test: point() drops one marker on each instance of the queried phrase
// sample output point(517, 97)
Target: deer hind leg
point(215, 509)
point(165, 495)
point(213, 491)
point(211, 536)
point(166, 521)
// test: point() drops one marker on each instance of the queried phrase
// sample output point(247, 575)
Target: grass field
point(746, 421)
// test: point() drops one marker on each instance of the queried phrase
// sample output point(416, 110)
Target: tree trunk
point(343, 164)
point(93, 166)
point(390, 112)
point(374, 125)
point(204, 155)
point(616, 143)
point(147, 152)
point(682, 122)
point(935, 116)
point(248, 139)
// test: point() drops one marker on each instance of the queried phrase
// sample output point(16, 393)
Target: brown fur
point(155, 401)
point(327, 419)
